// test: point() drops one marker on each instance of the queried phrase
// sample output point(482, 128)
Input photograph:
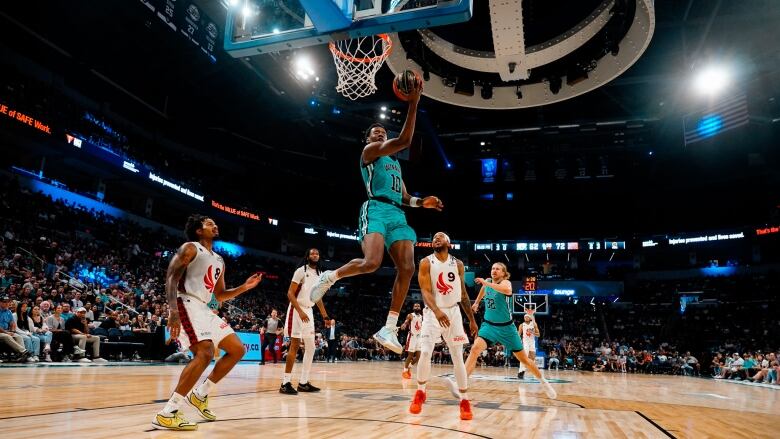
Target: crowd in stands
point(59, 258)
point(72, 279)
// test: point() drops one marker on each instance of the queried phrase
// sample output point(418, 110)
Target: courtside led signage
point(341, 236)
point(234, 211)
point(768, 230)
point(73, 140)
point(706, 238)
point(174, 186)
point(25, 119)
point(430, 245)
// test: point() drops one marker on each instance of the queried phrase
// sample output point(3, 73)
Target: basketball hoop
point(529, 308)
point(357, 62)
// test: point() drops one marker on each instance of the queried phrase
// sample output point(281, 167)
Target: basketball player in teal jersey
point(382, 222)
point(498, 326)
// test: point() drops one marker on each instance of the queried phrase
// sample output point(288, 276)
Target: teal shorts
point(385, 219)
point(506, 335)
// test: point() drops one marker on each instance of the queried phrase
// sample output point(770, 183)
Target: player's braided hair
point(305, 260)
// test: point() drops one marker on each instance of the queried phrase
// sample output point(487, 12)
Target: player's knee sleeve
point(456, 353)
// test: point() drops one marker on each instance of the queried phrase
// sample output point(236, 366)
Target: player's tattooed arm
point(176, 269)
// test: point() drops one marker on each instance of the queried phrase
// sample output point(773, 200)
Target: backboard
point(260, 26)
point(538, 302)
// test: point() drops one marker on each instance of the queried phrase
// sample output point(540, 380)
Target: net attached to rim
point(357, 62)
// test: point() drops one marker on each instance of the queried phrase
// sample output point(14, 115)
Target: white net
point(357, 62)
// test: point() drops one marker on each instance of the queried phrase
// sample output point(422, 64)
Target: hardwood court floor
point(370, 400)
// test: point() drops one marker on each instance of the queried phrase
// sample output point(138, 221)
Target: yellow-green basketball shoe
point(202, 405)
point(174, 421)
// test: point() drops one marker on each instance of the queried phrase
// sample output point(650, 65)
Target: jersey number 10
point(396, 183)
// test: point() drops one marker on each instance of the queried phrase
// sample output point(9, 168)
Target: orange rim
point(351, 58)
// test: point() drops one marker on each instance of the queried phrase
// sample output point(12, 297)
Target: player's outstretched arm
point(504, 287)
point(429, 202)
point(372, 151)
point(222, 294)
point(176, 269)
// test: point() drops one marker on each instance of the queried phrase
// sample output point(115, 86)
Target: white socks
point(205, 388)
point(286, 378)
point(173, 404)
point(308, 359)
point(421, 386)
point(392, 319)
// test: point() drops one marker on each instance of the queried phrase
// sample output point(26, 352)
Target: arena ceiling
point(277, 128)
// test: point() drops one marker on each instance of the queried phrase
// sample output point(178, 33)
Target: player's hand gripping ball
point(404, 83)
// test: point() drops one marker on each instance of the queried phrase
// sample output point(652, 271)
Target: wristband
point(413, 202)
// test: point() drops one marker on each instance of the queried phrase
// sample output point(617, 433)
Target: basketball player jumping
point(498, 327)
point(300, 322)
point(441, 281)
point(194, 273)
point(528, 331)
point(414, 323)
point(382, 221)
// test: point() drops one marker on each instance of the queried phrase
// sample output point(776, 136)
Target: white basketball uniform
point(306, 277)
point(415, 328)
point(529, 339)
point(198, 321)
point(446, 286)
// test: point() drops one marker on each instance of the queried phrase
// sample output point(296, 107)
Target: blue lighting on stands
point(709, 125)
point(486, 196)
point(719, 271)
point(229, 248)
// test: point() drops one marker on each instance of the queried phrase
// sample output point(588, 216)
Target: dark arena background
point(620, 157)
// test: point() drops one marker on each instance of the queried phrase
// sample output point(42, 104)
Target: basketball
point(404, 82)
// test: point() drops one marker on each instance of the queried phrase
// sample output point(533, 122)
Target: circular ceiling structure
point(605, 42)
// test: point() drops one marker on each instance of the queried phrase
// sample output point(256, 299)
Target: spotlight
point(482, 143)
point(303, 67)
point(247, 11)
point(711, 80)
point(383, 116)
point(276, 30)
point(384, 108)
point(232, 2)
point(449, 165)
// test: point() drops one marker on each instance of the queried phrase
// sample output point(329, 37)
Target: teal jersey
point(497, 306)
point(382, 179)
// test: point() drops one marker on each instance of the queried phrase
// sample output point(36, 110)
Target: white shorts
point(198, 323)
point(529, 346)
point(454, 335)
point(413, 342)
point(295, 327)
